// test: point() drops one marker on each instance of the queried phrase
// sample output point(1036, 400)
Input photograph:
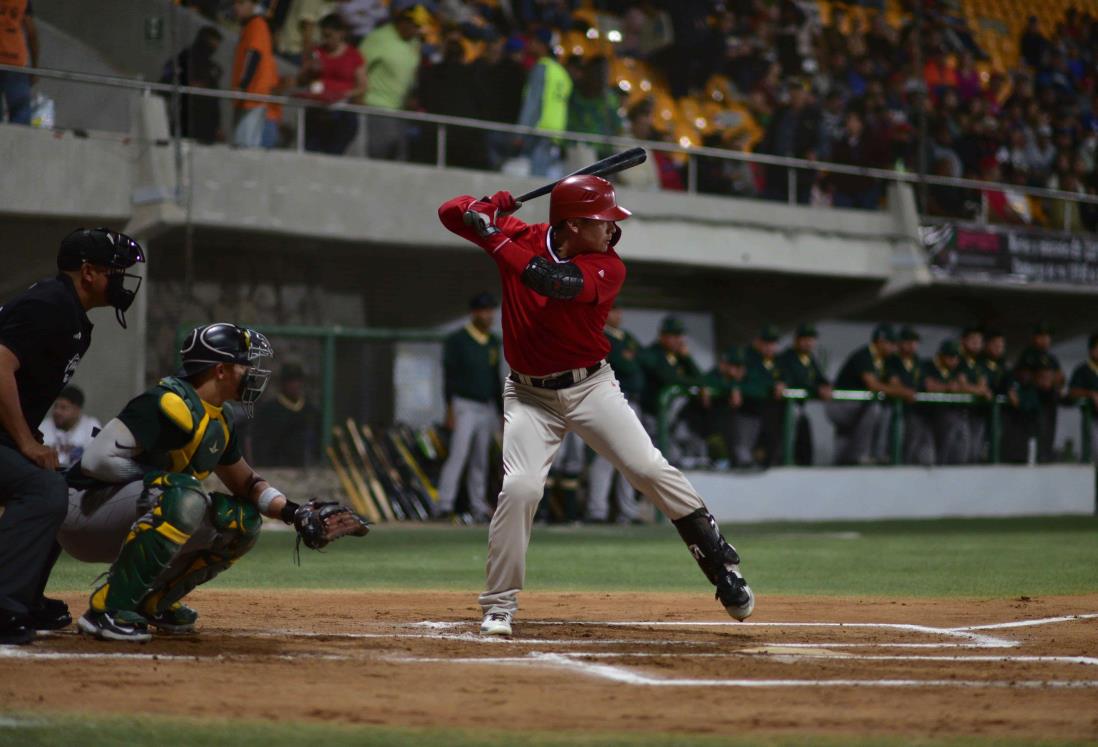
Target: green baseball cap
point(884, 332)
point(909, 333)
point(949, 347)
point(972, 329)
point(769, 333)
point(1043, 328)
point(672, 325)
point(734, 356)
point(806, 329)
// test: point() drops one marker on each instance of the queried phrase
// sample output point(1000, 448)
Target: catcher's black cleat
point(15, 629)
point(123, 625)
point(736, 596)
point(50, 614)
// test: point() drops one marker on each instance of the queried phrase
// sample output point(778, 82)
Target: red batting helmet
point(584, 197)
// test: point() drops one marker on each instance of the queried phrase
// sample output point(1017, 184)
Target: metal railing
point(328, 337)
point(444, 122)
point(668, 395)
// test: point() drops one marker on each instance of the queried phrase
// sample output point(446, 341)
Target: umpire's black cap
point(98, 246)
point(483, 300)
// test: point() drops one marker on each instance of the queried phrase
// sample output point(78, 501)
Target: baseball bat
point(359, 496)
point(610, 165)
point(381, 496)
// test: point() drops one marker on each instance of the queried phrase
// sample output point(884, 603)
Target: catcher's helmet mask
point(227, 343)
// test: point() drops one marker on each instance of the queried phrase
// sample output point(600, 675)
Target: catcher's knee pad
point(183, 504)
point(237, 522)
point(711, 551)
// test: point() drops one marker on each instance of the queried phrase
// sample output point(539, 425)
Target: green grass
point(942, 558)
point(36, 730)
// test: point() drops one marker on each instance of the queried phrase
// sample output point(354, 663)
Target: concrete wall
point(358, 200)
point(821, 494)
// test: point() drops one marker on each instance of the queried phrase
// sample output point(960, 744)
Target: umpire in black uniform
point(43, 335)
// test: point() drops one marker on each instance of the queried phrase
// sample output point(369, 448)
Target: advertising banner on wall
point(988, 252)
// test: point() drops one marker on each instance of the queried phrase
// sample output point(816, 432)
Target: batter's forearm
point(507, 253)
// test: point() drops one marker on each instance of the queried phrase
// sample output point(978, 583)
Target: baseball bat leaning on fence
point(408, 500)
point(359, 495)
point(417, 471)
point(384, 498)
point(342, 475)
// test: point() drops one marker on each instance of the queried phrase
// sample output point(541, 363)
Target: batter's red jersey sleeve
point(507, 253)
point(603, 276)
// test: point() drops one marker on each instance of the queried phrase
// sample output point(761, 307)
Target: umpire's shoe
point(496, 624)
point(736, 596)
point(50, 614)
point(15, 629)
point(121, 625)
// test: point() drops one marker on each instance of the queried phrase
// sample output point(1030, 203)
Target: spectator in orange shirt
point(18, 45)
point(939, 74)
point(254, 71)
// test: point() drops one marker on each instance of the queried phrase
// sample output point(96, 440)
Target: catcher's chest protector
point(206, 425)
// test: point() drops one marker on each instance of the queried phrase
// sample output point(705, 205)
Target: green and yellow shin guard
point(238, 524)
point(153, 542)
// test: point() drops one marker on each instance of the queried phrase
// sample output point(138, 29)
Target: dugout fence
point(897, 412)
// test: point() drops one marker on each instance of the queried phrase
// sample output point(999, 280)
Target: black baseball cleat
point(122, 625)
point(50, 614)
point(736, 596)
point(15, 629)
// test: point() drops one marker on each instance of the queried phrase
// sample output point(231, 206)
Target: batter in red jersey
point(559, 283)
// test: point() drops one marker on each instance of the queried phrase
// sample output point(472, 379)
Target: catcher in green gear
point(137, 500)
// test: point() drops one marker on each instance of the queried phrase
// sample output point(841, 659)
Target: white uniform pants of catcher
point(535, 421)
point(99, 520)
point(474, 425)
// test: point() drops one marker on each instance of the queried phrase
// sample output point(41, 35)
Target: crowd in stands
point(736, 413)
point(782, 78)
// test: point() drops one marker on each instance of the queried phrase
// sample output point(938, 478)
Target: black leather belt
point(557, 381)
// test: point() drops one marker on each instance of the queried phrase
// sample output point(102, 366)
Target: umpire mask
point(105, 248)
point(119, 296)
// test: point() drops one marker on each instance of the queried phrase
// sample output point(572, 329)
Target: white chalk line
point(629, 677)
point(576, 662)
point(1030, 623)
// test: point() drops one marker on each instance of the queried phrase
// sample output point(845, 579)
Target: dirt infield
point(619, 662)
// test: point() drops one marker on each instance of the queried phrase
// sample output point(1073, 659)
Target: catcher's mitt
point(319, 522)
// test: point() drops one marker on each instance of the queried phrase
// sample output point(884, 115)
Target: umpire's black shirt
point(48, 330)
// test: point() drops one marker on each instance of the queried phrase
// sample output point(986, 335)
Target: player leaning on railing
point(559, 283)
